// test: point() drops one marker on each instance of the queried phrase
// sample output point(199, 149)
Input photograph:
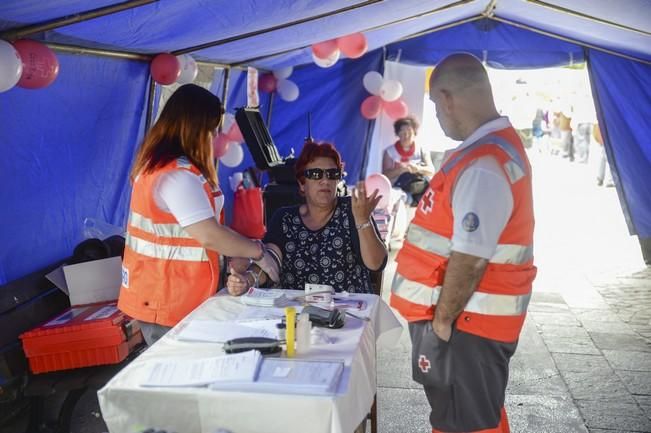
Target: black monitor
point(257, 138)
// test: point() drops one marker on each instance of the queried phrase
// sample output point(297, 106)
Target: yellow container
point(290, 331)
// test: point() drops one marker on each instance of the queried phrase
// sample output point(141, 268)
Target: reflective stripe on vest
point(166, 252)
point(162, 230)
point(440, 245)
point(479, 302)
point(514, 168)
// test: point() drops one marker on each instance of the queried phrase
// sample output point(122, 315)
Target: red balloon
point(371, 107)
point(396, 109)
point(165, 68)
point(267, 83)
point(234, 133)
point(324, 49)
point(40, 64)
point(220, 144)
point(353, 46)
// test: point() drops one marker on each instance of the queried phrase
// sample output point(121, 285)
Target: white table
point(128, 407)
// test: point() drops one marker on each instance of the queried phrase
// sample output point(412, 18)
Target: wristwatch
point(362, 226)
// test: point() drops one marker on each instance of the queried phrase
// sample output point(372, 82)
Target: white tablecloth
point(128, 407)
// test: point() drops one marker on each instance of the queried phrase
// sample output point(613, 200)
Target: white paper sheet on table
point(239, 367)
point(214, 331)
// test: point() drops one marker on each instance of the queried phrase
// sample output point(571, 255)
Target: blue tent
point(67, 149)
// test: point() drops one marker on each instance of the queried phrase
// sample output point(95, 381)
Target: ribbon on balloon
point(385, 96)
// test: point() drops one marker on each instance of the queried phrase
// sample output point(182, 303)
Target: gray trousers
point(464, 379)
point(151, 332)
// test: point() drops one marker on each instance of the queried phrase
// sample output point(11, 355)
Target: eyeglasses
point(317, 173)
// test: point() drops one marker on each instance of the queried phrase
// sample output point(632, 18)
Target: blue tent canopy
point(68, 148)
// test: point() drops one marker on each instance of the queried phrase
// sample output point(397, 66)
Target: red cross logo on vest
point(427, 201)
point(424, 364)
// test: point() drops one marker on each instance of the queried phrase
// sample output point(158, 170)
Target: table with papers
point(133, 400)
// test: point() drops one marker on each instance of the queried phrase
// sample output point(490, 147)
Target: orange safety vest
point(497, 308)
point(165, 273)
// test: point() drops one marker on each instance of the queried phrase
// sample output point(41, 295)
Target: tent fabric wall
point(67, 150)
point(622, 91)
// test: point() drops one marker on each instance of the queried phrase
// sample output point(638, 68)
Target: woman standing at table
point(328, 240)
point(173, 237)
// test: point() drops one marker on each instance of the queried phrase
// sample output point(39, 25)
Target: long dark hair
point(183, 129)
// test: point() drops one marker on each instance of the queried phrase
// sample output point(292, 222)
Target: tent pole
point(32, 29)
point(370, 29)
point(151, 93)
point(73, 49)
point(273, 28)
point(271, 104)
point(442, 27)
point(570, 40)
point(227, 79)
point(557, 8)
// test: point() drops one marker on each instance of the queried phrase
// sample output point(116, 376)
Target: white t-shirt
point(482, 201)
point(181, 193)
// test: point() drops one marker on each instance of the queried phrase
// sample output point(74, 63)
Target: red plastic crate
point(81, 336)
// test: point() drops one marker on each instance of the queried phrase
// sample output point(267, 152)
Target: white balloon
point(189, 69)
point(283, 72)
point(373, 82)
point(233, 156)
point(235, 180)
point(326, 63)
point(391, 90)
point(288, 90)
point(11, 66)
point(229, 119)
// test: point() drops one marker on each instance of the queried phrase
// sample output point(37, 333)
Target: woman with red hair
point(328, 240)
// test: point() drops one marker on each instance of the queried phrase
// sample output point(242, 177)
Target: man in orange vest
point(465, 271)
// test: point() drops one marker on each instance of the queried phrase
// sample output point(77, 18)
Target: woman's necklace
point(316, 223)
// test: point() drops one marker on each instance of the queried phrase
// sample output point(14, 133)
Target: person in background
point(406, 165)
point(173, 240)
point(328, 240)
point(603, 170)
point(465, 272)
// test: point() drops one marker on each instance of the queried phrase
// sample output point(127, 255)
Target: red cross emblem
point(424, 364)
point(427, 201)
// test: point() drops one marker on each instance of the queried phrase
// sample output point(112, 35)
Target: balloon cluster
point(28, 64)
point(277, 81)
point(326, 53)
point(227, 145)
point(385, 96)
point(168, 69)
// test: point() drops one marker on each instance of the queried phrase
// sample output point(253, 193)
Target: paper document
point(265, 298)
point(214, 331)
point(238, 367)
point(291, 376)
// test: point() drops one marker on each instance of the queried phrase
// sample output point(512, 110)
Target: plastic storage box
point(81, 336)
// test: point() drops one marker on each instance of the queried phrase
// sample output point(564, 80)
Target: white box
point(89, 282)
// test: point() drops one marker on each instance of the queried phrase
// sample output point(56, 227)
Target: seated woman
point(328, 240)
point(406, 165)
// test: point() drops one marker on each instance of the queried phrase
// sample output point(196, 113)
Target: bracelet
point(362, 226)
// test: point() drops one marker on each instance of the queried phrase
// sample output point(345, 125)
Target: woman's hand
point(237, 284)
point(363, 206)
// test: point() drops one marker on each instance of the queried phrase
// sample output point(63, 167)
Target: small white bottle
point(303, 333)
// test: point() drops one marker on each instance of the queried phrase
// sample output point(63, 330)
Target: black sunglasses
point(317, 173)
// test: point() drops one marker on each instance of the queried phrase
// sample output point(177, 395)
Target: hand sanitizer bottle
point(303, 333)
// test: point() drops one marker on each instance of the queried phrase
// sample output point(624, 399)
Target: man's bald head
point(460, 72)
point(461, 91)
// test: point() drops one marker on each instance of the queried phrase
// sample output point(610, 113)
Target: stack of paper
point(214, 331)
point(265, 298)
point(238, 368)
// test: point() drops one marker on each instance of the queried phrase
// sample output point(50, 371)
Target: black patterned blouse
point(330, 255)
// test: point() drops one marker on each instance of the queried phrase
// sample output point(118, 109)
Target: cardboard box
point(89, 282)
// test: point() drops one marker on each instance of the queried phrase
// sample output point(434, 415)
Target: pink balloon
point(267, 83)
point(165, 68)
point(220, 144)
point(324, 49)
point(234, 133)
point(382, 184)
point(353, 46)
point(40, 64)
point(396, 109)
point(371, 107)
